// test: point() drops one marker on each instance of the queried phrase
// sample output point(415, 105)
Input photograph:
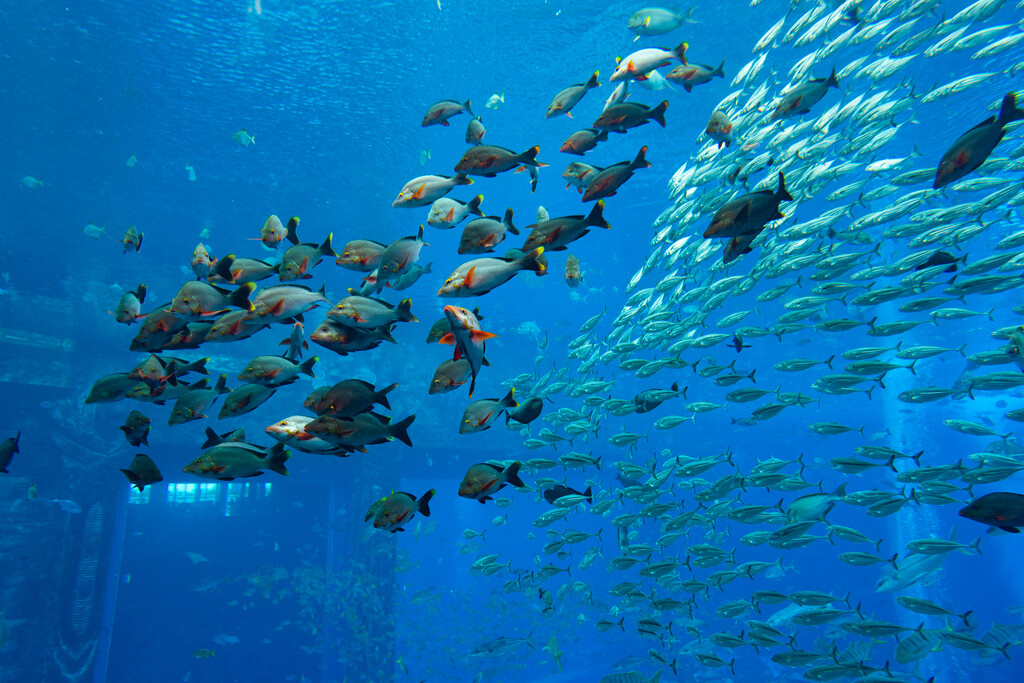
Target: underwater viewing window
point(136, 497)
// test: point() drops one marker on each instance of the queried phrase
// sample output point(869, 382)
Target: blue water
point(280, 577)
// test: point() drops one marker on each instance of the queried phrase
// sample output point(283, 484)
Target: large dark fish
point(559, 491)
point(489, 160)
point(440, 112)
point(621, 117)
point(608, 181)
point(7, 450)
point(800, 99)
point(973, 147)
point(1001, 510)
point(143, 472)
point(749, 213)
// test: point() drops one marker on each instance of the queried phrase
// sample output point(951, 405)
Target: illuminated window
point(208, 493)
point(136, 497)
point(182, 493)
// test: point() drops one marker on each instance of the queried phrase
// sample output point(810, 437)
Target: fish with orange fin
point(439, 112)
point(800, 99)
point(719, 128)
point(468, 339)
point(398, 508)
point(484, 479)
point(129, 308)
point(274, 232)
point(609, 180)
point(490, 160)
point(301, 257)
point(644, 61)
point(748, 214)
point(446, 213)
point(426, 189)
point(132, 240)
point(570, 97)
point(973, 147)
point(479, 276)
point(573, 274)
point(1000, 510)
point(480, 415)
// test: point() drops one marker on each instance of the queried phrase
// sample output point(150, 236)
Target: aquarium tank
point(529, 341)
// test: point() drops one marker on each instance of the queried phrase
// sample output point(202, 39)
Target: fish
point(344, 340)
point(608, 181)
point(240, 270)
point(398, 509)
point(555, 234)
point(349, 398)
point(424, 156)
point(426, 189)
point(475, 131)
point(689, 75)
point(243, 138)
point(582, 141)
point(203, 653)
point(136, 428)
point(245, 399)
point(439, 112)
point(291, 431)
point(196, 300)
point(748, 214)
point(450, 375)
point(361, 430)
point(642, 62)
point(528, 411)
point(619, 118)
point(190, 405)
point(361, 255)
point(368, 313)
point(300, 258)
point(129, 306)
point(132, 162)
point(910, 570)
point(231, 459)
point(143, 472)
point(1000, 510)
point(276, 371)
point(800, 99)
point(481, 235)
point(94, 231)
point(568, 98)
point(656, 21)
point(483, 479)
point(490, 160)
point(274, 232)
point(132, 239)
point(973, 148)
point(31, 182)
point(202, 261)
point(495, 100)
point(8, 447)
point(573, 274)
point(650, 399)
point(399, 257)
point(579, 175)
point(719, 128)
point(446, 213)
point(468, 339)
point(480, 276)
point(480, 415)
point(553, 493)
point(296, 342)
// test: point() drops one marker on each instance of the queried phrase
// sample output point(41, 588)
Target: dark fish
point(301, 257)
point(475, 131)
point(749, 213)
point(439, 112)
point(689, 75)
point(111, 388)
point(351, 397)
point(481, 235)
point(938, 258)
point(228, 460)
point(398, 508)
point(737, 343)
point(582, 141)
point(344, 340)
point(245, 399)
point(647, 401)
point(7, 450)
point(191, 405)
point(129, 307)
point(489, 160)
point(528, 411)
point(973, 147)
point(619, 118)
point(483, 479)
point(738, 246)
point(559, 491)
point(239, 271)
point(132, 239)
point(450, 375)
point(800, 99)
point(143, 472)
point(609, 180)
point(1001, 510)
point(555, 233)
point(570, 97)
point(136, 428)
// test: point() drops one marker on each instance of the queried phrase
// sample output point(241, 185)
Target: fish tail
point(400, 430)
point(223, 268)
point(592, 83)
point(658, 113)
point(326, 248)
point(136, 481)
point(596, 216)
point(589, 495)
point(508, 222)
point(212, 439)
point(832, 81)
point(292, 236)
point(382, 395)
point(140, 293)
point(307, 366)
point(276, 458)
point(680, 51)
point(720, 71)
point(462, 179)
point(469, 108)
point(641, 159)
point(421, 504)
point(781, 194)
point(512, 475)
point(240, 297)
point(509, 400)
point(529, 156)
point(474, 205)
point(404, 310)
point(532, 261)
point(1009, 111)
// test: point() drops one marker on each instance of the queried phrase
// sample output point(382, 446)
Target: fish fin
point(326, 249)
point(276, 457)
point(680, 51)
point(404, 311)
point(467, 281)
point(512, 475)
point(474, 205)
point(399, 430)
point(291, 235)
point(1009, 111)
point(448, 339)
point(592, 83)
point(1011, 529)
point(480, 335)
point(458, 355)
point(240, 297)
point(422, 503)
point(421, 190)
point(831, 81)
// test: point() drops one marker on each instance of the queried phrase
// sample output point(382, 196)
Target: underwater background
point(128, 114)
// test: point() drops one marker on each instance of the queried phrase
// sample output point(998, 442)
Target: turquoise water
point(122, 115)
